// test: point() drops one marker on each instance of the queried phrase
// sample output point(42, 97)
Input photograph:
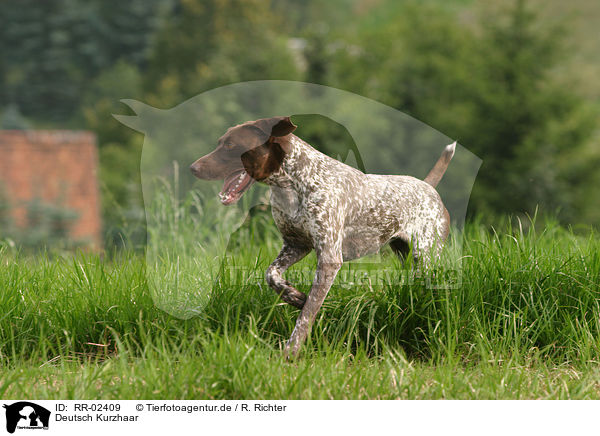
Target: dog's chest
point(290, 215)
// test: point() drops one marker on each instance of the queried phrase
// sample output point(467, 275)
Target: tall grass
point(522, 323)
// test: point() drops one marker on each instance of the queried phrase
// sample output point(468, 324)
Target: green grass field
point(524, 323)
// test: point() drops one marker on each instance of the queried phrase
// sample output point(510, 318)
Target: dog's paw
point(290, 352)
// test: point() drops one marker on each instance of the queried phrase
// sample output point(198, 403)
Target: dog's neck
point(298, 166)
point(290, 183)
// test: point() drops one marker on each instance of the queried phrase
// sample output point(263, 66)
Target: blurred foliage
point(492, 76)
point(120, 148)
point(491, 89)
point(52, 50)
point(206, 44)
point(12, 119)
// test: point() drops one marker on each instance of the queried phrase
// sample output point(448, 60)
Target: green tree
point(52, 50)
point(206, 44)
point(489, 86)
point(120, 147)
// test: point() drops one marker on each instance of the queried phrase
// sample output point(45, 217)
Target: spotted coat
point(321, 204)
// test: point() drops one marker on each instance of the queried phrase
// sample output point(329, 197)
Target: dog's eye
point(229, 145)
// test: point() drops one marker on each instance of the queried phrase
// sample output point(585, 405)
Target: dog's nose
point(194, 170)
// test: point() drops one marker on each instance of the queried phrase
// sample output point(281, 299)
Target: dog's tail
point(438, 170)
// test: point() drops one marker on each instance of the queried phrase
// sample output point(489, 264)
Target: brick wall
point(58, 167)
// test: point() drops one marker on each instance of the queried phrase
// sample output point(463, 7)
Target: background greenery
point(514, 81)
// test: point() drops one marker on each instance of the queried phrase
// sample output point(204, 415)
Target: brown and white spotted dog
point(322, 204)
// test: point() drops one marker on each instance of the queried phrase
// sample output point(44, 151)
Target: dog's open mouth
point(234, 187)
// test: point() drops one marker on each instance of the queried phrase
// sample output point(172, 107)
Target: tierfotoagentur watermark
point(194, 241)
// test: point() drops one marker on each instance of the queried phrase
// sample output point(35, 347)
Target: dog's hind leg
point(289, 255)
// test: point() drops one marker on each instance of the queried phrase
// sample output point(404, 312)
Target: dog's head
point(246, 153)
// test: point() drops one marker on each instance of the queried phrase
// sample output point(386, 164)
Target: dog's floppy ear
point(283, 127)
point(264, 160)
point(276, 126)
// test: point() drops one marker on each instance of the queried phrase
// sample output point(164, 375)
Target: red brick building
point(55, 167)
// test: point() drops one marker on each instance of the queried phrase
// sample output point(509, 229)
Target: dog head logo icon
point(26, 415)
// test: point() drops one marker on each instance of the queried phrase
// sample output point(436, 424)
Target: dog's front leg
point(329, 262)
point(289, 255)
